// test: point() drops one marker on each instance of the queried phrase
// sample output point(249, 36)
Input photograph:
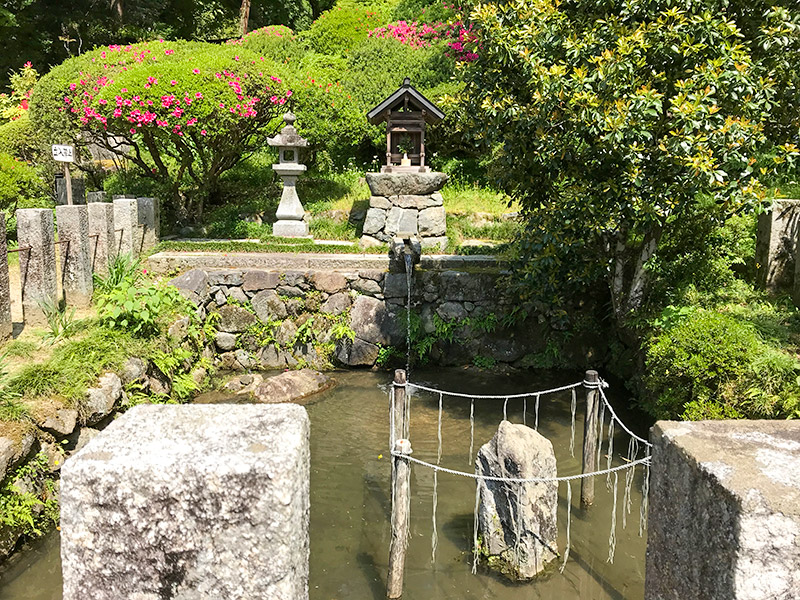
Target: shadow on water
point(350, 503)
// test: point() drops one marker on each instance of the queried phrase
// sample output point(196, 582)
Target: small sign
point(63, 153)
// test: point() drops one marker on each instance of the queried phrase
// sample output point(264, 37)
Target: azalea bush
point(182, 112)
point(342, 28)
point(275, 42)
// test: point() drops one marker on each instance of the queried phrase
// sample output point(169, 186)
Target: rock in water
point(517, 521)
point(291, 386)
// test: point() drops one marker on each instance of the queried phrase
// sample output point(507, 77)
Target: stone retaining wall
point(273, 319)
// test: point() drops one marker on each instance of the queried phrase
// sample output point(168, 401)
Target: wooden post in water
point(399, 407)
point(400, 519)
point(591, 381)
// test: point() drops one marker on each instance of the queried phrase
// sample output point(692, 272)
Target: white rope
point(495, 397)
point(569, 522)
point(536, 425)
point(645, 493)
point(610, 451)
point(439, 432)
point(525, 411)
point(505, 410)
point(614, 416)
point(434, 535)
point(471, 429)
point(572, 434)
point(633, 450)
point(641, 461)
point(475, 549)
point(601, 424)
point(612, 537)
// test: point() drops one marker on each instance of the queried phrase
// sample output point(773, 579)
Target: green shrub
point(20, 187)
point(278, 43)
point(711, 364)
point(342, 28)
point(11, 408)
point(139, 309)
point(23, 509)
point(188, 111)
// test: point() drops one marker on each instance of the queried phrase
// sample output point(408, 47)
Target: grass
point(267, 246)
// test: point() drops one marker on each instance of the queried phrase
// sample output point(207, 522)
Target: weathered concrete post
point(776, 245)
point(724, 516)
point(6, 325)
point(401, 496)
point(37, 261)
point(193, 501)
point(95, 197)
point(76, 264)
point(591, 381)
point(126, 226)
point(148, 223)
point(102, 240)
point(399, 417)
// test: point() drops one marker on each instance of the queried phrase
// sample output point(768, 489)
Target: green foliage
point(275, 42)
point(340, 329)
point(61, 321)
point(124, 269)
point(610, 121)
point(20, 187)
point(709, 363)
point(305, 333)
point(484, 362)
point(76, 364)
point(188, 111)
point(11, 408)
point(138, 308)
point(342, 28)
point(20, 507)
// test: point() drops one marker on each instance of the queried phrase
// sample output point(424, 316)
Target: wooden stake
point(399, 408)
point(591, 380)
point(68, 183)
point(400, 520)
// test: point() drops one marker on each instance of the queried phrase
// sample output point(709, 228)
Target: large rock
point(357, 353)
point(370, 320)
point(100, 400)
point(517, 521)
point(260, 280)
point(268, 306)
point(414, 184)
point(432, 222)
point(374, 221)
point(724, 516)
point(336, 304)
point(329, 282)
point(401, 220)
point(192, 284)
point(192, 502)
point(60, 422)
point(235, 319)
point(292, 385)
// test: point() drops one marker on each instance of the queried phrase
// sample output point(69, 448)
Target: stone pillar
point(5, 289)
point(724, 518)
point(102, 239)
point(76, 263)
point(193, 501)
point(95, 197)
point(775, 245)
point(126, 226)
point(37, 261)
point(517, 521)
point(149, 222)
point(78, 191)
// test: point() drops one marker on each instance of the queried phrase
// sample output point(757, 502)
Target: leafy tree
point(182, 112)
point(610, 119)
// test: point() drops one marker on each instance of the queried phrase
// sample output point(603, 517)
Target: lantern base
point(404, 169)
point(285, 228)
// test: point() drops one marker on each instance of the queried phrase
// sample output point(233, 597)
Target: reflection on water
point(350, 500)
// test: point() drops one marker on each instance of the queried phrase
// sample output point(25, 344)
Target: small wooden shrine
point(407, 113)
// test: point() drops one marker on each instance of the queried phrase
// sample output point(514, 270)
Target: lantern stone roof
point(288, 137)
point(405, 96)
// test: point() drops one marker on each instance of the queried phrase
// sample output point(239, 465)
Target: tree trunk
point(244, 16)
point(629, 280)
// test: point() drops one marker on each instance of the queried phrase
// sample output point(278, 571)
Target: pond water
point(350, 506)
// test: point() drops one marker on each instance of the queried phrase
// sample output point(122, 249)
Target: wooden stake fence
point(591, 381)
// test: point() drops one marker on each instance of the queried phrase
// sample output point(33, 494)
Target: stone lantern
point(290, 214)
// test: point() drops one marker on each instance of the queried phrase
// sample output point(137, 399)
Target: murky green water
point(350, 500)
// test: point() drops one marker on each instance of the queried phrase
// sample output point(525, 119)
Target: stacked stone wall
point(282, 319)
point(408, 203)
